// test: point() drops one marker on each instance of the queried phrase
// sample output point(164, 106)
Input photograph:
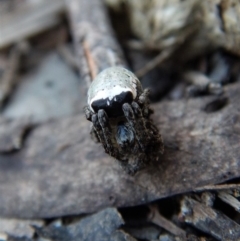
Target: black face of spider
point(125, 135)
point(113, 107)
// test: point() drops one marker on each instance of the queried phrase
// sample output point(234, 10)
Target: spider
point(118, 108)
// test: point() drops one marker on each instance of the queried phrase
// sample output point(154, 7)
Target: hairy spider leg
point(143, 101)
point(156, 135)
point(98, 129)
point(107, 132)
point(143, 98)
point(129, 114)
point(88, 113)
point(140, 123)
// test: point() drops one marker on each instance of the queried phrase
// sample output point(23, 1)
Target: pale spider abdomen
point(111, 89)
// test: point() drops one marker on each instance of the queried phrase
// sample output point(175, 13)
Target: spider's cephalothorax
point(119, 110)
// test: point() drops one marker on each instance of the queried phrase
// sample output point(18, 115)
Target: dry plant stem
point(156, 218)
point(91, 63)
point(8, 81)
point(217, 187)
point(160, 58)
point(153, 63)
point(229, 199)
point(93, 38)
point(209, 220)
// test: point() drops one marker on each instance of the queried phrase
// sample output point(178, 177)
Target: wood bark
point(61, 171)
point(208, 220)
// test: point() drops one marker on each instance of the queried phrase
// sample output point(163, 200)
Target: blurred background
point(52, 184)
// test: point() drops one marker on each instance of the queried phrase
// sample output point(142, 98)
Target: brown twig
point(156, 218)
point(217, 187)
point(90, 61)
point(209, 220)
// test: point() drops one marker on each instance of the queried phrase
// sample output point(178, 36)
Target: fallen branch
point(209, 220)
point(217, 187)
point(44, 179)
point(94, 40)
point(229, 199)
point(156, 218)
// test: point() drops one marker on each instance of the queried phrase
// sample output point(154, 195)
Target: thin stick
point(8, 80)
point(153, 63)
point(217, 187)
point(156, 218)
point(208, 220)
point(90, 61)
point(232, 201)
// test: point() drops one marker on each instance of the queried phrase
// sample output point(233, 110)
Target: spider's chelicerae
point(119, 110)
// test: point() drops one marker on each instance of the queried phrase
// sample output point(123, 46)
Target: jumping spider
point(119, 110)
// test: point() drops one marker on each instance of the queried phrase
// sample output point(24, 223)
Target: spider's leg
point(143, 98)
point(129, 114)
point(98, 130)
point(107, 133)
point(88, 113)
point(133, 165)
point(128, 168)
point(143, 101)
point(140, 123)
point(94, 135)
point(155, 136)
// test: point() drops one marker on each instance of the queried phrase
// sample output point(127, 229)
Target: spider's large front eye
point(125, 135)
point(113, 106)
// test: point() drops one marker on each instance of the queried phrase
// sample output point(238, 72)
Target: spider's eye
point(113, 106)
point(125, 135)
